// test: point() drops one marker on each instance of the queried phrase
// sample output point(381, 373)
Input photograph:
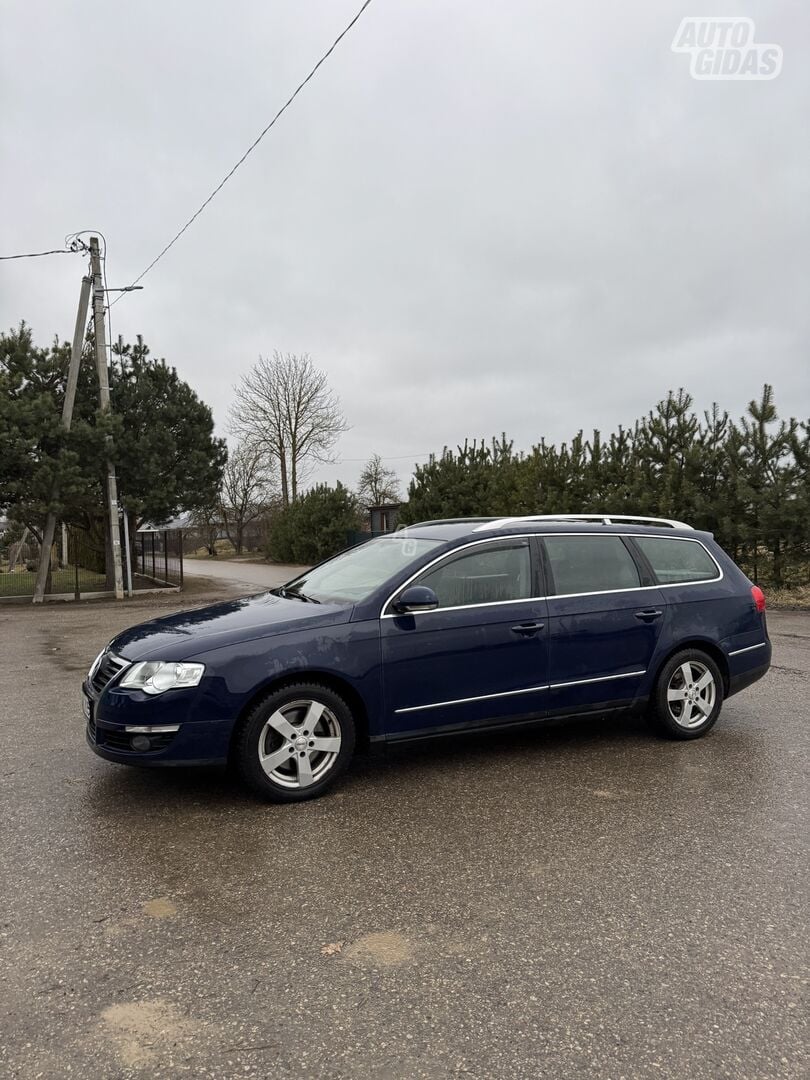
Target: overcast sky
point(520, 216)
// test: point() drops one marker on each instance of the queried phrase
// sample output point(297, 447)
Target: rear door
point(704, 601)
point(481, 656)
point(605, 619)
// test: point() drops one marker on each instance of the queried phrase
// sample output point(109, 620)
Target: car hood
point(186, 633)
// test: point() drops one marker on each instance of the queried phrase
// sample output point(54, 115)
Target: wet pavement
point(583, 901)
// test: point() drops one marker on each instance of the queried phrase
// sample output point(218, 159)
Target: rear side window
point(582, 564)
point(675, 561)
point(484, 575)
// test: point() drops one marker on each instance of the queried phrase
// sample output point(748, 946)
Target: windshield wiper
point(303, 596)
point(282, 590)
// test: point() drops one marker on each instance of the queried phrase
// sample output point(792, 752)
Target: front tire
point(295, 743)
point(688, 695)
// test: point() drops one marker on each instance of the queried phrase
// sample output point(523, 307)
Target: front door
point(481, 656)
point(604, 622)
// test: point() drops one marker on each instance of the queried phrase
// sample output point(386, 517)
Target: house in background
point(383, 519)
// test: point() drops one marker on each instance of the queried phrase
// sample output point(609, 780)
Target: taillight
point(758, 597)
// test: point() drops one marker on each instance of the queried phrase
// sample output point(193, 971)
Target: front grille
point(109, 666)
point(122, 740)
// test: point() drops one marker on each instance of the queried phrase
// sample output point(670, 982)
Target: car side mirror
point(416, 598)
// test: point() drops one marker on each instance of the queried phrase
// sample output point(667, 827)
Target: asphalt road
point(585, 901)
point(245, 576)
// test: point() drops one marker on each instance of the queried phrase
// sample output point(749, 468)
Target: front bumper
point(192, 744)
point(174, 739)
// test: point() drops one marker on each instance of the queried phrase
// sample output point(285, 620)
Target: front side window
point(675, 561)
point(482, 575)
point(583, 564)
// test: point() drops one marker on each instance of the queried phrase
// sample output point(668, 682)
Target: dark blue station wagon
point(441, 627)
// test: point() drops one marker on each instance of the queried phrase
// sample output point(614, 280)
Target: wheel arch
point(334, 682)
point(701, 645)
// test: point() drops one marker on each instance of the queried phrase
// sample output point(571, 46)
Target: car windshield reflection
point(355, 574)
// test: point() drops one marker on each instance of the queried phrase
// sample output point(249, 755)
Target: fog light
point(141, 742)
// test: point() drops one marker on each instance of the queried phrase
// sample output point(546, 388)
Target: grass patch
point(21, 582)
point(789, 598)
point(221, 547)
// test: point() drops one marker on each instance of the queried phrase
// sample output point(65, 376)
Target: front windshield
point(355, 574)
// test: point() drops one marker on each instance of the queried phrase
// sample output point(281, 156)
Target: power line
point(251, 148)
point(388, 457)
point(39, 254)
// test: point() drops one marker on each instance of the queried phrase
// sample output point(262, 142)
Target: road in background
point(583, 901)
point(241, 574)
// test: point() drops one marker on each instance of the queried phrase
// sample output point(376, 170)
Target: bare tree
point(377, 485)
point(207, 522)
point(247, 491)
point(284, 406)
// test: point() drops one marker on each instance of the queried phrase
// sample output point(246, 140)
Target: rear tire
point(688, 695)
point(295, 743)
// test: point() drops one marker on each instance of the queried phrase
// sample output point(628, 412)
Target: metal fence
point(157, 557)
point(78, 563)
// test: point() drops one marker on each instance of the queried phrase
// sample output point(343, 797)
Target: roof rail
point(603, 519)
point(445, 521)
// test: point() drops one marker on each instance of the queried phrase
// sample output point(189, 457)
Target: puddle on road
point(159, 908)
point(385, 949)
point(142, 1030)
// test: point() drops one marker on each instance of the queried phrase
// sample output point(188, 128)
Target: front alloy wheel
point(295, 743)
point(299, 743)
point(688, 695)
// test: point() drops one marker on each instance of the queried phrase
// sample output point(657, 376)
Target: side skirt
point(527, 720)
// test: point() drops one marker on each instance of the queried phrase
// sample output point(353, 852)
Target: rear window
point(582, 564)
point(675, 561)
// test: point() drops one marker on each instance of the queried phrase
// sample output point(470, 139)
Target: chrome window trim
point(554, 596)
point(748, 648)
point(460, 607)
point(502, 540)
point(688, 540)
point(514, 693)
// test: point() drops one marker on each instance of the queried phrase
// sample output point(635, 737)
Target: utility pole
point(100, 334)
point(67, 417)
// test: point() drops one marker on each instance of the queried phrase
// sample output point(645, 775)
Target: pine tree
point(747, 483)
point(163, 445)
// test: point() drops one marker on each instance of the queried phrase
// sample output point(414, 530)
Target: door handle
point(649, 615)
point(527, 628)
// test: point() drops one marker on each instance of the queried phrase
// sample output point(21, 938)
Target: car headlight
point(158, 676)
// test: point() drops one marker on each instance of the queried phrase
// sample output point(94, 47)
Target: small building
point(383, 519)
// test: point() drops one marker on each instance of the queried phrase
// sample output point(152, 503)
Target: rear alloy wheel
point(295, 743)
point(688, 695)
